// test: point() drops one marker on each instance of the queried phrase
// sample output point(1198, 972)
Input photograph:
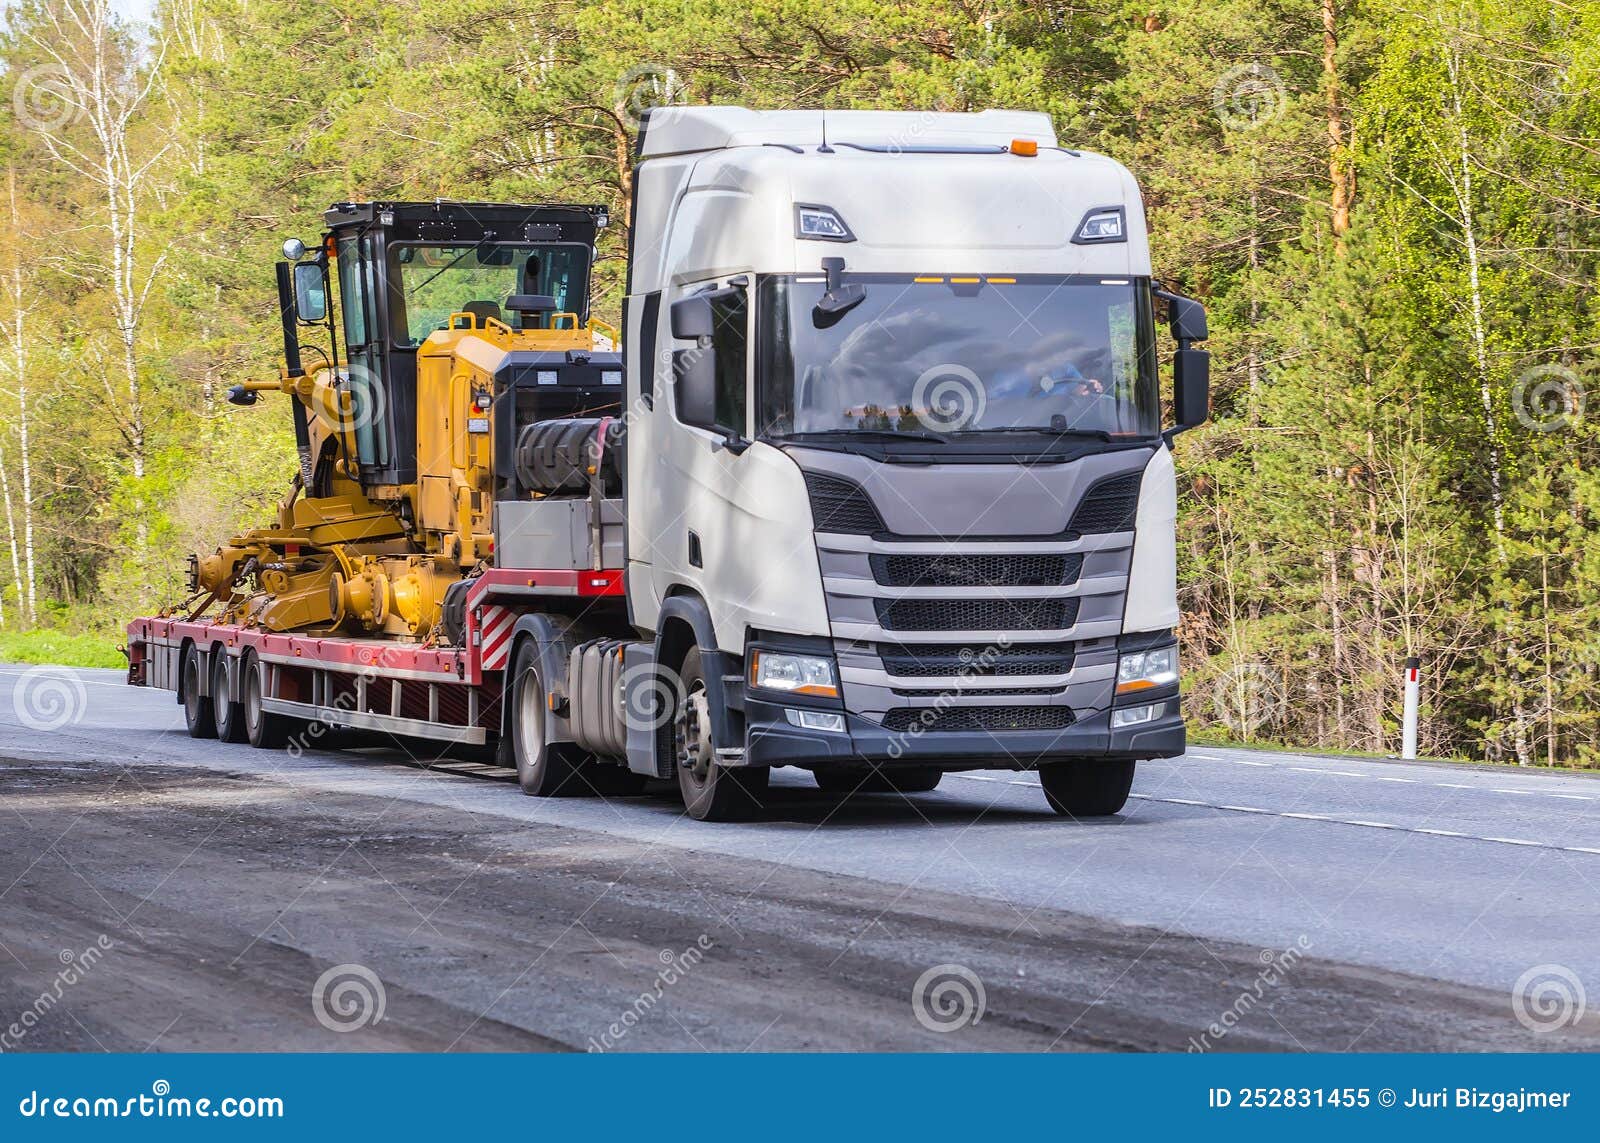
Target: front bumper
point(770, 740)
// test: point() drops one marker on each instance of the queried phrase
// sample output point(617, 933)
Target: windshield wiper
point(1047, 431)
point(879, 434)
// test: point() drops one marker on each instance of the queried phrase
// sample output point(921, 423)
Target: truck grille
point(945, 660)
point(987, 692)
point(933, 719)
point(976, 614)
point(840, 505)
point(976, 570)
point(1110, 506)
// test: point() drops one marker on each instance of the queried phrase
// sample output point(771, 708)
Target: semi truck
point(874, 481)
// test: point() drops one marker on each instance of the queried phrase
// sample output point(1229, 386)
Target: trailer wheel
point(197, 713)
point(711, 792)
point(854, 780)
point(265, 729)
point(1088, 788)
point(229, 715)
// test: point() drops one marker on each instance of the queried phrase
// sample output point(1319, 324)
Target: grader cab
point(457, 328)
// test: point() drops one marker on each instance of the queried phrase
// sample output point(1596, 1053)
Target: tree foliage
point(1392, 211)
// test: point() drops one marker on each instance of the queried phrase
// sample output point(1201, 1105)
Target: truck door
point(690, 506)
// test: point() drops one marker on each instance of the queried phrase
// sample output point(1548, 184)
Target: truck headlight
point(793, 674)
point(1141, 670)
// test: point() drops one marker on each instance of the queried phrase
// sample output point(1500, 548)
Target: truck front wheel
point(711, 792)
point(1087, 788)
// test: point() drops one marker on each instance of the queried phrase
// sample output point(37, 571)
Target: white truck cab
point(899, 499)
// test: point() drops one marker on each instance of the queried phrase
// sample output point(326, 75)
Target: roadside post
point(1408, 734)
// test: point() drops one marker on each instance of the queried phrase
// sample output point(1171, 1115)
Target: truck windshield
point(936, 355)
point(437, 281)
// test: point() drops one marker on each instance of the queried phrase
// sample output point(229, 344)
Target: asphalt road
point(1290, 902)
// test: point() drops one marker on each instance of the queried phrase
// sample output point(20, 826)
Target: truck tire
point(197, 713)
point(551, 769)
point(854, 780)
point(1087, 788)
point(264, 729)
point(711, 792)
point(229, 715)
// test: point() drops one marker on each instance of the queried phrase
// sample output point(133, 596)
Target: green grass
point(61, 649)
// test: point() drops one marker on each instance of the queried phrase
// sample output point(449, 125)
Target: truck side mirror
point(692, 318)
point(1188, 319)
point(694, 370)
point(1191, 388)
point(695, 385)
point(1191, 368)
point(310, 293)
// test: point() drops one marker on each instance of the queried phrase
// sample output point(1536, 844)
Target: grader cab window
point(364, 368)
point(438, 281)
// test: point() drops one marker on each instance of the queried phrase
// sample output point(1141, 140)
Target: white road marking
point(1393, 778)
point(1326, 819)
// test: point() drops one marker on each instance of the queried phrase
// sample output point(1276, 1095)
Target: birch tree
point(19, 293)
point(100, 80)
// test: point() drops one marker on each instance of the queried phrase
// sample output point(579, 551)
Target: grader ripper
point(447, 309)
